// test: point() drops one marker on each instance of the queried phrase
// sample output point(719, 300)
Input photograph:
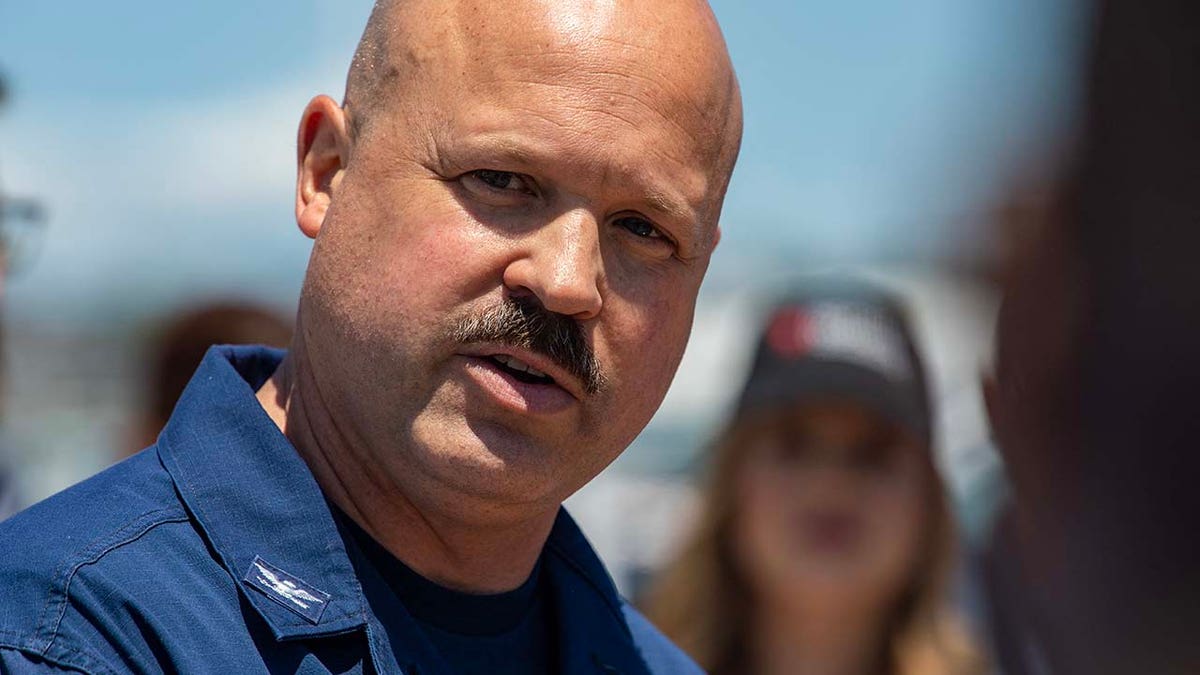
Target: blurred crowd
point(821, 536)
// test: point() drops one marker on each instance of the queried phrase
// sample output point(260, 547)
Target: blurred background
point(888, 139)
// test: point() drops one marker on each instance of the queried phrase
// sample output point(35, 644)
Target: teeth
point(518, 364)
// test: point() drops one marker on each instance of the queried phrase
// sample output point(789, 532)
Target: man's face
point(573, 175)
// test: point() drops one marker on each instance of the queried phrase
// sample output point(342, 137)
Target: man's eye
point(640, 227)
point(502, 180)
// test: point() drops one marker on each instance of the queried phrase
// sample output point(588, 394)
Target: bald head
point(567, 157)
point(671, 47)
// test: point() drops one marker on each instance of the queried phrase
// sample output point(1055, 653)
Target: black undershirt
point(504, 633)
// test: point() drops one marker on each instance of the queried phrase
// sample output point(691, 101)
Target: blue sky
point(160, 134)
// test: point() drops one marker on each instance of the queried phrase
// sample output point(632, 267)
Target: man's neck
point(481, 553)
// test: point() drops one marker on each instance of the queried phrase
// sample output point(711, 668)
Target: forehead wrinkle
point(707, 93)
point(589, 64)
point(583, 95)
point(697, 105)
point(587, 93)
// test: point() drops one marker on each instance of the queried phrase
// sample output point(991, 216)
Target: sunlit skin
point(573, 153)
point(831, 505)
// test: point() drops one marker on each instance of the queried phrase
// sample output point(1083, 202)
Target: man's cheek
point(451, 250)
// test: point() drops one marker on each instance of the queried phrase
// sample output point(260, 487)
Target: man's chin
point(492, 463)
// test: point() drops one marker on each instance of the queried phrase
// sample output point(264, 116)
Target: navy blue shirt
point(214, 551)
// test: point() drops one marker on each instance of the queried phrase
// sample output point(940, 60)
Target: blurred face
point(505, 278)
point(830, 507)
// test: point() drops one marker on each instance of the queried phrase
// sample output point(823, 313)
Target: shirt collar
point(256, 500)
point(593, 635)
point(264, 514)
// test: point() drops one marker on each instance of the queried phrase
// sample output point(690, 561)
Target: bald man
point(512, 211)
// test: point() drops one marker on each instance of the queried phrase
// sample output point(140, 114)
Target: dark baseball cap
point(841, 342)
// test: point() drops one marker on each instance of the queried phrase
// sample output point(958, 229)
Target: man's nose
point(560, 263)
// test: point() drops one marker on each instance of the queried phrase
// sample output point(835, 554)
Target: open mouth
point(519, 370)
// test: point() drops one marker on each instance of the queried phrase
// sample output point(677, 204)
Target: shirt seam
point(60, 655)
point(90, 555)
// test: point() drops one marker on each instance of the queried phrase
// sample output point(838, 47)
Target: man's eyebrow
point(507, 147)
point(663, 202)
point(525, 152)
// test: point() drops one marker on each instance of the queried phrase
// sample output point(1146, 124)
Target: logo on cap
point(840, 331)
point(790, 333)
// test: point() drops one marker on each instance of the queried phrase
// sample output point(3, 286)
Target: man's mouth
point(519, 370)
point(516, 384)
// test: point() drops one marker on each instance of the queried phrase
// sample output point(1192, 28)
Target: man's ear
point(323, 149)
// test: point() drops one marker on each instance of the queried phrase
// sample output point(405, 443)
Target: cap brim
point(814, 380)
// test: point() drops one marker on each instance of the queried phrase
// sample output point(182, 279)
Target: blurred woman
point(177, 347)
point(826, 545)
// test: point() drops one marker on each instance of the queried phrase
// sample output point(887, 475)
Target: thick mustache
point(526, 324)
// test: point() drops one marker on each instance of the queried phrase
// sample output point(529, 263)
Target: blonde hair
point(702, 602)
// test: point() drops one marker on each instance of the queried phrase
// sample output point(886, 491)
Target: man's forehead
point(600, 69)
point(592, 17)
point(655, 75)
point(573, 20)
point(670, 40)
